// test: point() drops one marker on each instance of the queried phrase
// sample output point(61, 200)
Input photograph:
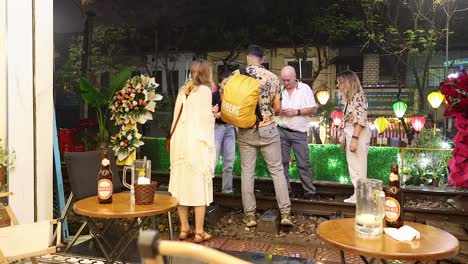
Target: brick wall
point(370, 69)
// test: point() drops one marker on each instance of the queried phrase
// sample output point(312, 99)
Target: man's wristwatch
point(298, 112)
point(355, 137)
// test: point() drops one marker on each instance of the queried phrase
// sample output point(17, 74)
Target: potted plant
point(100, 98)
point(7, 160)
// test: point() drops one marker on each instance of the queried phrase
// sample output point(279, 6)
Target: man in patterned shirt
point(266, 138)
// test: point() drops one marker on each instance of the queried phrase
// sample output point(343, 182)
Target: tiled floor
point(254, 251)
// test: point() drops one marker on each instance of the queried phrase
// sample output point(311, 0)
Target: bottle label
point(394, 177)
point(392, 209)
point(104, 189)
point(105, 162)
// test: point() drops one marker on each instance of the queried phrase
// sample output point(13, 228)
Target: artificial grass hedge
point(328, 161)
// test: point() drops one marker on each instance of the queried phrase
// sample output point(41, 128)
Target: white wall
point(43, 78)
point(182, 62)
point(3, 90)
point(29, 55)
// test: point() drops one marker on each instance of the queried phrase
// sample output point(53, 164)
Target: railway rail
point(330, 200)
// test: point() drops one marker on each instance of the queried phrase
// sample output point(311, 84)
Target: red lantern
point(417, 122)
point(337, 117)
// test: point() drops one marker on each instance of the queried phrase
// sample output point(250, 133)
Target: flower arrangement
point(135, 101)
point(126, 141)
point(132, 104)
point(455, 89)
point(7, 160)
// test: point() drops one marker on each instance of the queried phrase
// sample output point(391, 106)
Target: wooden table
point(435, 244)
point(121, 208)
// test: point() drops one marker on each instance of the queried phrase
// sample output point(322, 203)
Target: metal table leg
point(112, 253)
point(75, 237)
point(169, 219)
point(364, 259)
point(343, 260)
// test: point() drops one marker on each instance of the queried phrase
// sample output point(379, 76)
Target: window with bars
point(306, 71)
point(159, 80)
point(437, 75)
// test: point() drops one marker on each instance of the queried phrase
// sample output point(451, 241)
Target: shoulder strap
point(178, 117)
point(243, 71)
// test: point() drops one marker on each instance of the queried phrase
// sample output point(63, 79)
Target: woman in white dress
point(192, 152)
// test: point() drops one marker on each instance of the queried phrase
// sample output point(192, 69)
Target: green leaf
point(89, 93)
point(118, 80)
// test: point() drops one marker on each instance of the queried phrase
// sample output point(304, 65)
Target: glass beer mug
point(370, 210)
point(140, 168)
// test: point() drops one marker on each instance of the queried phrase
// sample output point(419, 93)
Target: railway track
point(453, 205)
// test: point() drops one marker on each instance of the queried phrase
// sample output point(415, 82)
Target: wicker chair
point(22, 241)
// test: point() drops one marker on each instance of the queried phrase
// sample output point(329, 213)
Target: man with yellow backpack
point(251, 97)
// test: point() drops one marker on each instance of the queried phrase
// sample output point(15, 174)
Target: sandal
point(185, 234)
point(200, 238)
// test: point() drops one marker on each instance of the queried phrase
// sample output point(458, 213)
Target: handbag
point(168, 137)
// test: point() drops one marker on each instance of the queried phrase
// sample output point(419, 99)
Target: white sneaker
point(351, 199)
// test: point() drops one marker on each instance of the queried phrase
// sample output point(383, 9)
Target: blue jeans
point(225, 143)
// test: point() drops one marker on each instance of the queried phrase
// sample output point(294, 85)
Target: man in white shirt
point(297, 104)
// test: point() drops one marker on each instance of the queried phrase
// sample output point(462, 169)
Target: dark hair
point(223, 75)
point(255, 50)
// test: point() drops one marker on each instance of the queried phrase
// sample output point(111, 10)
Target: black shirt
point(216, 100)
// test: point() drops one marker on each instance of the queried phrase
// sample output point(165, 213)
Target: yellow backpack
point(240, 101)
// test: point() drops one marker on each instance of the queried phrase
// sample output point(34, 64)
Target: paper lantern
point(337, 117)
point(417, 122)
point(323, 96)
point(399, 107)
point(381, 124)
point(435, 98)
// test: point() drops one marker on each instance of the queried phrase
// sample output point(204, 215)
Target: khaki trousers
point(357, 161)
point(266, 139)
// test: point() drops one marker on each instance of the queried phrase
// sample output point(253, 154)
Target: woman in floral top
point(354, 133)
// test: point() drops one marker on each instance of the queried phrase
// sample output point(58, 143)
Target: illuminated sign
point(384, 100)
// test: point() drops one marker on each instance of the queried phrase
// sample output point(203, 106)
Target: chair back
point(83, 169)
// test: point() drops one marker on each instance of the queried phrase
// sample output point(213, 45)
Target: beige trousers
point(357, 161)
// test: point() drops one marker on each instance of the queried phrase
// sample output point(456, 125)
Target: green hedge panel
point(328, 162)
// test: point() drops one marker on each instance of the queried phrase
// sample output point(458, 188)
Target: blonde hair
point(349, 84)
point(201, 72)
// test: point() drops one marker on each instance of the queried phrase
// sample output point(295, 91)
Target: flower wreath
point(135, 101)
point(132, 104)
point(455, 89)
point(126, 141)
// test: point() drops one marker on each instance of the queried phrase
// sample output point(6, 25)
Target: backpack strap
point(258, 112)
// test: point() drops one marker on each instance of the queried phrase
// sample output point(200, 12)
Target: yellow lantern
point(435, 98)
point(381, 124)
point(323, 96)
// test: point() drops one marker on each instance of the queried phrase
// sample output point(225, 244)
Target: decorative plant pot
point(4, 218)
point(2, 178)
point(144, 193)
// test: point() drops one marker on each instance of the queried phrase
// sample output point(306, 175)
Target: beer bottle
point(394, 200)
point(105, 186)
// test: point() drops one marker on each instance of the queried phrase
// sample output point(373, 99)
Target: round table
point(121, 208)
point(435, 244)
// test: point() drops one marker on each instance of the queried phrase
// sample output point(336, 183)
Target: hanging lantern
point(435, 98)
point(337, 117)
point(417, 122)
point(399, 107)
point(323, 96)
point(381, 124)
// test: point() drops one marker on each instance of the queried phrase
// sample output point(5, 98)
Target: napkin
point(404, 233)
point(143, 180)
